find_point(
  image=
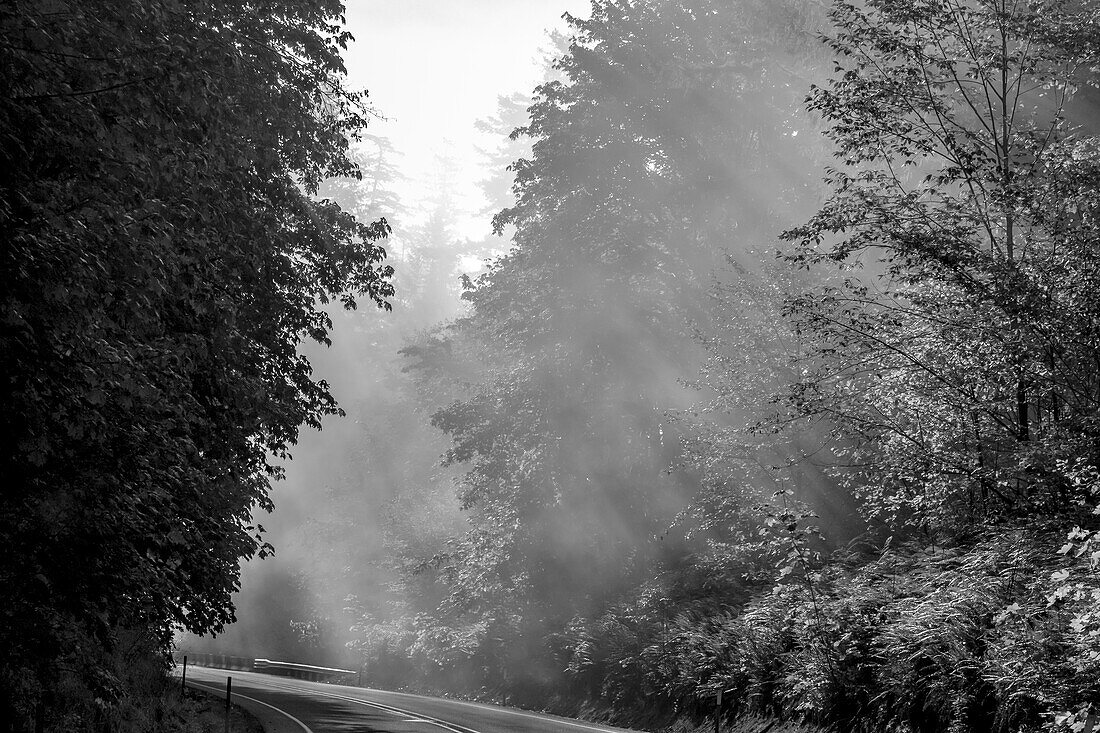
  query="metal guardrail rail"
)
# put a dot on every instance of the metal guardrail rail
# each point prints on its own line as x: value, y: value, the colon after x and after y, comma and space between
x: 266, y: 666
x: 301, y: 671
x: 217, y: 661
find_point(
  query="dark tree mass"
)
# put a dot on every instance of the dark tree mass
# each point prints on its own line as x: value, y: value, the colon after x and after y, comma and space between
x: 774, y: 402
x: 162, y: 259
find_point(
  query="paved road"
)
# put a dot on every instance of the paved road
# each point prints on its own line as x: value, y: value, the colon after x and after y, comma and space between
x: 286, y: 705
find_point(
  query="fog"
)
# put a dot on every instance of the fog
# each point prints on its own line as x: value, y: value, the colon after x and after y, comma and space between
x: 569, y: 438
x: 661, y: 363
x: 376, y: 522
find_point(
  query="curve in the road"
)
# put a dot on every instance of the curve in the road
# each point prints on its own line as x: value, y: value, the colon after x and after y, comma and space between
x: 404, y: 716
x: 216, y: 691
x: 412, y: 714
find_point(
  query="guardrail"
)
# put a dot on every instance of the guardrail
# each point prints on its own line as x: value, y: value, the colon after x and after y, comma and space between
x: 302, y: 671
x: 218, y: 661
x: 267, y: 666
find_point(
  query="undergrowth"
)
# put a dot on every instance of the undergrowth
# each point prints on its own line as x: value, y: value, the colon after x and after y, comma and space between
x: 996, y: 633
x: 127, y: 690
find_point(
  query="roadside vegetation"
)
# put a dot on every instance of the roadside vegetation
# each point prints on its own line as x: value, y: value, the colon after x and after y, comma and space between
x: 786, y: 387
x: 162, y: 258
x: 783, y: 382
x: 143, y: 696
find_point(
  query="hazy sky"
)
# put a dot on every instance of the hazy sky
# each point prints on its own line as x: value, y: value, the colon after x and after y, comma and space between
x: 434, y: 67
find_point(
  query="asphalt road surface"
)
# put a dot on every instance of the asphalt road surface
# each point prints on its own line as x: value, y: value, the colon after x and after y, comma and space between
x: 287, y: 705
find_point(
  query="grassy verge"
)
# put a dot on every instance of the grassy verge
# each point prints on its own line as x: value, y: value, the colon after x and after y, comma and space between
x: 201, y: 712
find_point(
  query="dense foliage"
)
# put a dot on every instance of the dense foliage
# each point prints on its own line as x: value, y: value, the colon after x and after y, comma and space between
x: 643, y: 149
x: 957, y: 350
x: 854, y: 485
x: 921, y: 358
x: 162, y: 260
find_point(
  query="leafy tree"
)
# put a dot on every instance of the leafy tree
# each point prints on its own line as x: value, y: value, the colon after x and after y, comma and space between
x: 946, y: 352
x: 162, y: 261
x: 949, y: 350
x: 647, y: 151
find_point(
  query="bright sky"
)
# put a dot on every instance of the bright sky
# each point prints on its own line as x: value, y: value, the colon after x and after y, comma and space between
x: 434, y: 67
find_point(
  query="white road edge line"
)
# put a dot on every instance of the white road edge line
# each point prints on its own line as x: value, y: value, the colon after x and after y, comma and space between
x: 442, y: 723
x: 411, y: 716
x: 246, y: 697
x: 414, y: 717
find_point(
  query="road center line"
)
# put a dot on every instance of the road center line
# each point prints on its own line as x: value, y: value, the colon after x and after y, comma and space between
x: 416, y: 717
x: 454, y: 727
x: 510, y: 711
